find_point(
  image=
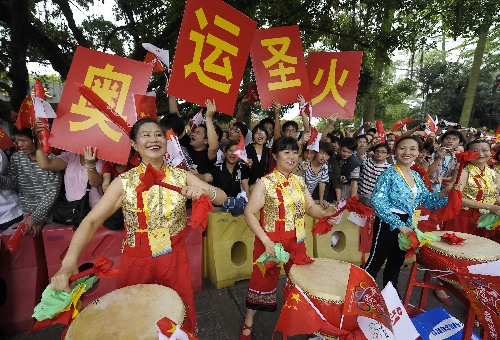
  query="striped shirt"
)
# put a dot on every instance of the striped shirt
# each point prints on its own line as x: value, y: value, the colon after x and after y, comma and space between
x: 369, y: 175
x: 38, y: 189
x: 312, y: 179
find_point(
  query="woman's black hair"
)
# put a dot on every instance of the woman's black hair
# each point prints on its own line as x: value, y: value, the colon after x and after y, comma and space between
x: 285, y: 143
x: 23, y: 132
x: 453, y: 133
x: 416, y: 139
x: 476, y: 141
x: 141, y: 122
x: 260, y: 127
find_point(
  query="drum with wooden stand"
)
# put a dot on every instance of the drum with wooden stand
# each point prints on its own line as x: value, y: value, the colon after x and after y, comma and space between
x: 444, y: 256
x: 128, y: 313
x: 325, y: 283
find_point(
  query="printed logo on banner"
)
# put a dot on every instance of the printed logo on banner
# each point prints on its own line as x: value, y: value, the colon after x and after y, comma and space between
x: 211, y: 54
x: 446, y: 329
x: 333, y: 79
x: 279, y: 66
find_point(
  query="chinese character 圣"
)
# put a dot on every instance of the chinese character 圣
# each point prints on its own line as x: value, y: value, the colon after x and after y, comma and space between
x: 330, y: 86
x: 113, y: 88
x: 220, y: 46
x: 280, y: 57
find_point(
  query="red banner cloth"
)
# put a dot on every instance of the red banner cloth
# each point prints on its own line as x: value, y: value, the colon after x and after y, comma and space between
x: 279, y: 65
x: 333, y: 79
x: 211, y: 54
x: 79, y: 124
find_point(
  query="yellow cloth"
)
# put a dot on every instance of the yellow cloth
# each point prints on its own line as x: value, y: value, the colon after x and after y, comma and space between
x: 293, y: 217
x: 487, y: 181
x: 166, y: 209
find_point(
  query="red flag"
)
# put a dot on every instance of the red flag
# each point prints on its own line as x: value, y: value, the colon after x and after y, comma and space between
x: 169, y: 328
x: 5, y: 141
x: 431, y: 123
x: 380, y: 130
x: 400, y: 123
x: 45, y: 133
x: 197, y: 120
x: 483, y: 292
x: 364, y: 298
x: 240, y: 151
x: 252, y: 94
x: 153, y: 61
x: 145, y: 105
x: 313, y: 142
x: 26, y: 116
x: 298, y: 315
x: 307, y: 109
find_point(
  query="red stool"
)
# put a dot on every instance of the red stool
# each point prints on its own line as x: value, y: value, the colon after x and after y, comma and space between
x: 194, y: 246
x: 106, y: 243
x: 23, y: 277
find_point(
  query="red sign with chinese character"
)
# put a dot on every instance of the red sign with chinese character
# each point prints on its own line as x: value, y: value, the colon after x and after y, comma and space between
x: 279, y: 66
x: 333, y: 78
x: 79, y: 124
x: 211, y: 54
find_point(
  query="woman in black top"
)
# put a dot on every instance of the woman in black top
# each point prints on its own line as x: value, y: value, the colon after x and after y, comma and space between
x: 258, y: 154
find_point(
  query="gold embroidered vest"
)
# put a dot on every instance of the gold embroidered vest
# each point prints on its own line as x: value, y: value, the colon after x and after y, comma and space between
x: 163, y: 207
x: 289, y: 194
x: 481, y: 186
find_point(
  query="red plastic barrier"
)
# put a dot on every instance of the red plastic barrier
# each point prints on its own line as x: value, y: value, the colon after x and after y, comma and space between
x: 106, y: 243
x: 23, y: 277
x: 194, y: 246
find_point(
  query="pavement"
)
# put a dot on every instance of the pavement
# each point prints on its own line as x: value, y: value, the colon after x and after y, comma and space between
x: 220, y: 312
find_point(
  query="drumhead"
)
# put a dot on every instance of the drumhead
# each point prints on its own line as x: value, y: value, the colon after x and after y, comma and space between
x: 128, y: 313
x: 324, y: 279
x: 474, y: 248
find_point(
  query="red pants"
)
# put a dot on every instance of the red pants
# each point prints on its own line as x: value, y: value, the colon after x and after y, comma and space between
x: 262, y: 289
x: 169, y: 270
x: 466, y: 222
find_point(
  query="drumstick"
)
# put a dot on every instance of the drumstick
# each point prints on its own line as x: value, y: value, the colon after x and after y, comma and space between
x: 18, y: 235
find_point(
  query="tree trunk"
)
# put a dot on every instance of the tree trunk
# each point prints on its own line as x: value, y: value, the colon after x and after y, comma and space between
x: 19, y: 36
x: 465, y: 117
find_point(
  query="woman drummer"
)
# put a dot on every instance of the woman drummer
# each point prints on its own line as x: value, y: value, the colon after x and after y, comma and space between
x: 155, y: 221
x: 397, y: 193
x: 282, y: 199
x: 480, y: 193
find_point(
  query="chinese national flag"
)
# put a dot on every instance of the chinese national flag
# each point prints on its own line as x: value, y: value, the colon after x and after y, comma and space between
x: 26, y: 116
x: 240, y: 151
x: 211, y: 54
x: 431, y: 123
x: 169, y: 330
x: 298, y: 315
x: 400, y: 123
x: 5, y: 141
x: 145, y: 105
x: 79, y: 124
x: 153, y: 61
x: 483, y: 292
x: 333, y: 79
x: 380, y: 130
x: 364, y: 298
x: 279, y: 66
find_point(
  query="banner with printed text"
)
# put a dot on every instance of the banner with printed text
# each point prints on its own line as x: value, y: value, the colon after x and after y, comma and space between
x: 279, y: 66
x: 79, y: 124
x: 211, y: 54
x: 333, y: 79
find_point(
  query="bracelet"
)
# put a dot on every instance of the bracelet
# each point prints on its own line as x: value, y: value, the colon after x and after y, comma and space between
x: 90, y: 166
x: 214, y: 192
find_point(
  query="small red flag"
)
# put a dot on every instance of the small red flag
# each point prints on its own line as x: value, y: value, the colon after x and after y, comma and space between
x: 5, y: 141
x: 145, y: 105
x: 252, y: 94
x: 240, y: 151
x: 170, y: 329
x: 380, y: 131
x: 298, y: 315
x: 400, y: 123
x: 153, y: 60
x: 26, y: 117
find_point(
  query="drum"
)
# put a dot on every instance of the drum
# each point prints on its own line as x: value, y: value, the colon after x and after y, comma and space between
x: 443, y: 256
x: 325, y: 283
x: 128, y: 313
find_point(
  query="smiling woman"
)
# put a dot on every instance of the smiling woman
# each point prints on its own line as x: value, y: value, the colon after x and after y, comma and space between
x: 155, y: 221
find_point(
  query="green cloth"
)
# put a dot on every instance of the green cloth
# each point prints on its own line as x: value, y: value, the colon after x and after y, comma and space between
x: 281, y: 255
x: 54, y: 301
x: 488, y: 221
